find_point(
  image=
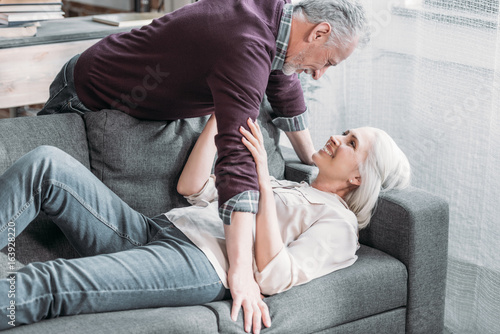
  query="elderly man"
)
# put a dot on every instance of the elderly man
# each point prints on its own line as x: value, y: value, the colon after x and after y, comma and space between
x: 219, y: 56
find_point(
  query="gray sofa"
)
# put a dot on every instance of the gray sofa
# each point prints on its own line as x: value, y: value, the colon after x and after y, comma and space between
x: 396, y: 286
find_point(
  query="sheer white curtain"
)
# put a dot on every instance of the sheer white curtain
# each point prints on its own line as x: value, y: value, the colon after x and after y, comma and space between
x: 430, y: 78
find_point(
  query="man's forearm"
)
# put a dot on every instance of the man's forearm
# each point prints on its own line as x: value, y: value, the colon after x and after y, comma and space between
x: 302, y: 144
x: 239, y: 240
x: 244, y: 290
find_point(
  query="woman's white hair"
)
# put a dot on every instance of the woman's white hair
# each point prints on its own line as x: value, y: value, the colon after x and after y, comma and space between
x: 386, y: 167
x: 346, y: 17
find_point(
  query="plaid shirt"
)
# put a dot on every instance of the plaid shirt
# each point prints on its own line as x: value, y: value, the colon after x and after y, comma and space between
x: 283, y: 37
x: 299, y: 122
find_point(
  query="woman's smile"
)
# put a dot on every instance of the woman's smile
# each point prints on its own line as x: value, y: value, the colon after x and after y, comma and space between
x: 328, y: 149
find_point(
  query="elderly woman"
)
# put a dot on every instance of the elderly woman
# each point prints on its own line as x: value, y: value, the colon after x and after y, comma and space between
x: 179, y: 258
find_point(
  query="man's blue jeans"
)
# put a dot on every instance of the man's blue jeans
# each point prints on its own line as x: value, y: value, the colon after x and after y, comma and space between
x: 63, y: 97
x: 130, y: 261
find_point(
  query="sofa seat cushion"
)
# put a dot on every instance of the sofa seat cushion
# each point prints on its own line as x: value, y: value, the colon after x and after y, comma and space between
x: 375, y: 283
x: 190, y: 319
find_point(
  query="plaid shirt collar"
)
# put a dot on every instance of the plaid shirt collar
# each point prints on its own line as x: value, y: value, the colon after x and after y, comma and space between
x: 283, y: 37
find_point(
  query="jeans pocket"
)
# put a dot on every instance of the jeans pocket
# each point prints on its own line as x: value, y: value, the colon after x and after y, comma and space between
x: 58, y: 94
x: 58, y: 85
x: 76, y: 106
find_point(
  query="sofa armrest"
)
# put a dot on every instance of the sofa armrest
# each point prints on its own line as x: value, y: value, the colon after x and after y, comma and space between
x: 412, y: 226
x: 296, y: 170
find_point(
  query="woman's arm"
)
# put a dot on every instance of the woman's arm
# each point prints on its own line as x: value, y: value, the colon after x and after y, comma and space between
x: 199, y: 164
x: 268, y: 242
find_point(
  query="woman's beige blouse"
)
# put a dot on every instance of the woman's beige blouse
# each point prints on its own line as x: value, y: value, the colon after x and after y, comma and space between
x: 319, y: 234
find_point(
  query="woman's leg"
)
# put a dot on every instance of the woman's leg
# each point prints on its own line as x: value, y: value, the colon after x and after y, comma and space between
x: 170, y: 271
x: 91, y: 216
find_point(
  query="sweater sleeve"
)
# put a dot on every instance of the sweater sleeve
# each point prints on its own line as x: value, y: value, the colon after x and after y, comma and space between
x: 328, y: 245
x: 237, y: 82
x: 286, y: 97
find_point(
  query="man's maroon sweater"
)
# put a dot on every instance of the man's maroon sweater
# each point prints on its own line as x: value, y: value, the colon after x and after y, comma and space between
x: 210, y: 56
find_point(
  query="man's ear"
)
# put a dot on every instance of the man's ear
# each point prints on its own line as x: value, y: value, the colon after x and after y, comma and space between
x: 320, y: 32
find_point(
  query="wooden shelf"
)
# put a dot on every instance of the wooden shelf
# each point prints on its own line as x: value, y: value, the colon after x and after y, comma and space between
x: 30, y: 64
x: 66, y: 30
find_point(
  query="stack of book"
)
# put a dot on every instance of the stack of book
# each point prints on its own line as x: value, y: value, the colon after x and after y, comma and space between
x: 19, y: 18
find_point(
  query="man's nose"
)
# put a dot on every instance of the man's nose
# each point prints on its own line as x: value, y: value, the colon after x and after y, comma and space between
x: 319, y: 73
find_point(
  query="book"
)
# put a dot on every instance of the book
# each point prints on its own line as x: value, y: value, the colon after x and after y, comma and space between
x: 17, y: 2
x: 127, y: 19
x: 30, y: 8
x: 6, y: 18
x: 21, y: 30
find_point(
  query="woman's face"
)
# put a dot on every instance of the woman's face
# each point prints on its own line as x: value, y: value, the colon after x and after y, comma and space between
x: 339, y: 159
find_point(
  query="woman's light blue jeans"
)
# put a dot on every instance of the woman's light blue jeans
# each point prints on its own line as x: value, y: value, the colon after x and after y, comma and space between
x: 129, y: 261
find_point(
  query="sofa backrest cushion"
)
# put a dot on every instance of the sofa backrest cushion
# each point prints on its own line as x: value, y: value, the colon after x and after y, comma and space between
x: 42, y: 240
x: 141, y: 161
x: 20, y: 135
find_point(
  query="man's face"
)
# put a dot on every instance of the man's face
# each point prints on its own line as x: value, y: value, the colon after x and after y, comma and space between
x: 316, y: 58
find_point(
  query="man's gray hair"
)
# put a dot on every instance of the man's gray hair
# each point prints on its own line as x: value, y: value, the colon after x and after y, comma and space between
x: 346, y: 17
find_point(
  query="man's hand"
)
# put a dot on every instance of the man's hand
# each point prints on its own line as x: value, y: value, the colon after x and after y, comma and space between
x: 246, y: 295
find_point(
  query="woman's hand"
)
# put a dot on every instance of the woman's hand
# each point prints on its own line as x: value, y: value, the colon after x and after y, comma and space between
x: 254, y: 142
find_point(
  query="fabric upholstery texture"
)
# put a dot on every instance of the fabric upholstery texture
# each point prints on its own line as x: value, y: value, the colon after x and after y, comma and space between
x: 18, y: 136
x: 137, y: 157
x: 374, y: 284
x: 295, y: 170
x: 421, y: 244
x: 176, y: 320
x: 391, y: 322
